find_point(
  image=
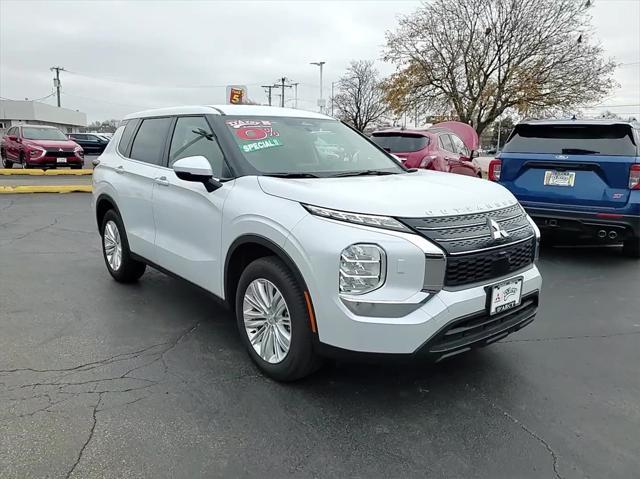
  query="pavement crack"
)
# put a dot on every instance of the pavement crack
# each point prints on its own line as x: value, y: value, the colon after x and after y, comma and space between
x: 88, y: 366
x: 563, y: 338
x: 89, y: 438
x: 554, y: 456
x: 22, y: 236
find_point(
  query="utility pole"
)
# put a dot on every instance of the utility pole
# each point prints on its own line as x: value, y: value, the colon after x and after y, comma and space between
x: 320, y: 64
x: 283, y: 86
x: 295, y: 94
x: 269, y: 88
x: 56, y: 81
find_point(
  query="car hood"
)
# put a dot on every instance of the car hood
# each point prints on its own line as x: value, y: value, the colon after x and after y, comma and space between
x: 418, y: 194
x: 52, y: 144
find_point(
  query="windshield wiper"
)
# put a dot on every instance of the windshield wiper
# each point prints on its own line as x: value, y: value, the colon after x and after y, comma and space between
x: 292, y: 175
x: 578, y: 151
x: 364, y: 173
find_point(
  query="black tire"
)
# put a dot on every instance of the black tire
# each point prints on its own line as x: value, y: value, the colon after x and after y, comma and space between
x: 129, y: 270
x: 631, y: 247
x: 300, y: 360
x: 6, y: 163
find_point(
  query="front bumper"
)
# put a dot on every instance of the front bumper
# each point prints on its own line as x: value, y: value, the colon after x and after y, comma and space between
x: 582, y: 225
x: 52, y: 161
x: 401, y: 317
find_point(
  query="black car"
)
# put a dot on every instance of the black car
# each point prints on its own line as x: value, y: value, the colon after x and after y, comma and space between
x: 91, y: 143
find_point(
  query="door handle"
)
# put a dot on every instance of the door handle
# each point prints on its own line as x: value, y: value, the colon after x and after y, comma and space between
x: 162, y: 180
x: 120, y: 169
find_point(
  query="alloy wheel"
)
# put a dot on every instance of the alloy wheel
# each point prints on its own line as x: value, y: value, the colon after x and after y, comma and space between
x: 112, y: 245
x: 266, y: 320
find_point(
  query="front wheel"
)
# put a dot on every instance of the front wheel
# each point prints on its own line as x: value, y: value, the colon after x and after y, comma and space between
x: 273, y: 320
x: 115, y: 249
x: 6, y: 163
x: 631, y: 247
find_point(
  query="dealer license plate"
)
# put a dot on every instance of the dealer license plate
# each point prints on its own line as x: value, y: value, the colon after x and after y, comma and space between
x: 559, y: 178
x: 61, y: 160
x: 505, y: 296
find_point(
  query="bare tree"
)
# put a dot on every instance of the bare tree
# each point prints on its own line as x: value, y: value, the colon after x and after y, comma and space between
x: 478, y: 58
x: 360, y: 100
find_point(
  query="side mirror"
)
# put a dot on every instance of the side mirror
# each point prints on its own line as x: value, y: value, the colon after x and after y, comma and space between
x: 198, y: 169
x: 12, y: 137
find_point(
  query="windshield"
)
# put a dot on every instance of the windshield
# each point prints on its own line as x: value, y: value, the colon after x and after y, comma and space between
x: 35, y: 133
x: 303, y: 146
x: 613, y: 140
x: 400, y: 143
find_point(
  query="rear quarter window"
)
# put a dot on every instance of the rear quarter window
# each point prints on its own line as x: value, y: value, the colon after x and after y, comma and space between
x: 608, y: 140
x: 124, y: 145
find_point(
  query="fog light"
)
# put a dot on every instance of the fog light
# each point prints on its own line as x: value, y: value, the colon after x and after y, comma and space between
x: 362, y: 268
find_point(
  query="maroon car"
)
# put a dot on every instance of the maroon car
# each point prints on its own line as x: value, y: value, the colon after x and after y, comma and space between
x: 38, y: 146
x: 447, y: 146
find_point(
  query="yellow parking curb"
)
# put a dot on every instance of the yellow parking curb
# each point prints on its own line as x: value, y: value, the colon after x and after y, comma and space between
x: 36, y: 172
x: 45, y: 189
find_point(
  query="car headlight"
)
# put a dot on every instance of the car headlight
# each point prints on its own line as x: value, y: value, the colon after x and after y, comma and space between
x: 385, y: 222
x: 36, y: 152
x: 78, y: 151
x: 362, y: 268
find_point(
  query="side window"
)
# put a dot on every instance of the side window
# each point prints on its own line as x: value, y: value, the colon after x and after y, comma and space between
x: 445, y: 143
x: 458, y: 146
x: 193, y: 137
x: 127, y: 136
x: 148, y: 145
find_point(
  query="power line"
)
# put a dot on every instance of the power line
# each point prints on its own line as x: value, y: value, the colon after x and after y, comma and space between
x: 147, y: 85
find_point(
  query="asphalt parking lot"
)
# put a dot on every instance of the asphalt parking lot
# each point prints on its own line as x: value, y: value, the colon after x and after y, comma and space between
x: 98, y: 379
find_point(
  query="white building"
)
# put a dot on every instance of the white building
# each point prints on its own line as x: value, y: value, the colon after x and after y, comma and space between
x: 14, y: 113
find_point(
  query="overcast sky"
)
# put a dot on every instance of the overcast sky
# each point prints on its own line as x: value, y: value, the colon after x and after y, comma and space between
x: 127, y: 56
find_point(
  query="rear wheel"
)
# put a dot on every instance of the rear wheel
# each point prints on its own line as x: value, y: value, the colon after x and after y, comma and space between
x: 631, y: 247
x: 273, y: 320
x: 115, y: 249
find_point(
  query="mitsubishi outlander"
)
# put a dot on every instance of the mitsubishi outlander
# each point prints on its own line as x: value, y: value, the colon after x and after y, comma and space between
x: 318, y: 250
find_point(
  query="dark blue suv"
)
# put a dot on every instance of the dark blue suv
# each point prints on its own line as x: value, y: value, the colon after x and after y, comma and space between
x: 578, y: 179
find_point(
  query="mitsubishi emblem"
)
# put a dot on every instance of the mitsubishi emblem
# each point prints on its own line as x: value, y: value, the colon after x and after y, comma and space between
x: 60, y: 149
x: 497, y: 233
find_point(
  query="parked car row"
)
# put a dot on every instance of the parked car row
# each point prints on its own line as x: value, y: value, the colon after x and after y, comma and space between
x: 47, y: 147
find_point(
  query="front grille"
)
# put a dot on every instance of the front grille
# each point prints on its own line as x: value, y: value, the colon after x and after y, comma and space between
x: 484, y: 265
x: 59, y: 154
x: 473, y: 255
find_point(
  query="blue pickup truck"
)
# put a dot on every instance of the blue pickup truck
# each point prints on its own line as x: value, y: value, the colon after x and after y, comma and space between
x: 578, y: 179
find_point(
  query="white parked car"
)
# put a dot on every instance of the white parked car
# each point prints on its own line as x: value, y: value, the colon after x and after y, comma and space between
x: 316, y: 254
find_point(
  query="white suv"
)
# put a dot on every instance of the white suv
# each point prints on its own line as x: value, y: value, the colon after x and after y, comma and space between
x: 318, y: 240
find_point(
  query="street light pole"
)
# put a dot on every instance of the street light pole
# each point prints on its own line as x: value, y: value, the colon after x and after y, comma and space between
x: 320, y: 64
